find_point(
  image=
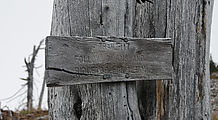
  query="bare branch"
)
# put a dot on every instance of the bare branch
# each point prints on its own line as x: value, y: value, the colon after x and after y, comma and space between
x: 30, y: 69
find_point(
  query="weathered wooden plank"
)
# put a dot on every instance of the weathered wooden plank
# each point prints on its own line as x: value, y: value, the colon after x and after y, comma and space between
x: 79, y: 60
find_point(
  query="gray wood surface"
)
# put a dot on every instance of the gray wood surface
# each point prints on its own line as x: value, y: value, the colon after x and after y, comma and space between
x: 101, y: 101
x: 186, y: 97
x: 188, y: 23
x: 80, y: 60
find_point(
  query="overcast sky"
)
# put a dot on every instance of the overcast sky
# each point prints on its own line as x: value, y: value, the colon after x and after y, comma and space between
x: 23, y: 23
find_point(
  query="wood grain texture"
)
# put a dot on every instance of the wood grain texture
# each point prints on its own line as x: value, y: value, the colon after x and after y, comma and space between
x: 80, y: 60
x: 187, y: 96
x: 102, y: 101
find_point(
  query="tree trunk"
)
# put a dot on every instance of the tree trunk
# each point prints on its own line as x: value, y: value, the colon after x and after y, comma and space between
x: 41, y: 95
x: 188, y: 23
x: 30, y: 64
x: 30, y: 89
x: 102, y: 101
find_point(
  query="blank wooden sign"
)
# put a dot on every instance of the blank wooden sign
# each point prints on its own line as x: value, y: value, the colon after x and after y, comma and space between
x: 80, y: 60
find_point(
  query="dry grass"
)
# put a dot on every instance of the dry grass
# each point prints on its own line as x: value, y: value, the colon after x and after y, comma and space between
x: 29, y: 115
x: 213, y: 76
x: 24, y: 114
x: 215, y: 115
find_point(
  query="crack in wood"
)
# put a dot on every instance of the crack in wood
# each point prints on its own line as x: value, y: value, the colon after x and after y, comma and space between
x: 129, y: 110
x: 70, y: 72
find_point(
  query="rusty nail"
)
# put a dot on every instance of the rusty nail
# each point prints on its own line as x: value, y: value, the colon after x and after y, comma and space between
x: 106, y: 76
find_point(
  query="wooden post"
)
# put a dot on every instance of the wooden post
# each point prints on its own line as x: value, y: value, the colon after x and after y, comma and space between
x: 188, y: 23
x: 100, y: 101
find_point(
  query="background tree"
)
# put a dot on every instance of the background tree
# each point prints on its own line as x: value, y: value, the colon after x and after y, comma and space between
x: 41, y: 95
x: 30, y: 65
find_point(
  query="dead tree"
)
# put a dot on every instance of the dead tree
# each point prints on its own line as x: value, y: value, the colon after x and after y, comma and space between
x: 188, y: 23
x: 30, y: 65
x: 41, y: 95
x: 186, y: 96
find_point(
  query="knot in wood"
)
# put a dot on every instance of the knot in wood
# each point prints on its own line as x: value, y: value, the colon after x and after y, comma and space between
x: 106, y: 7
